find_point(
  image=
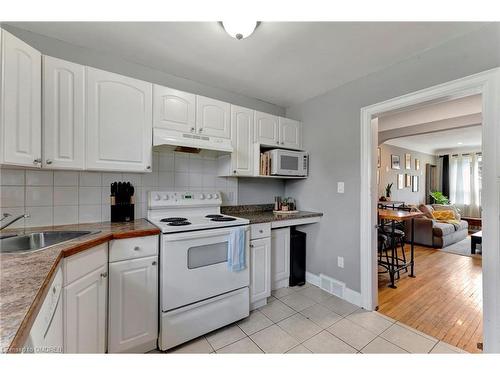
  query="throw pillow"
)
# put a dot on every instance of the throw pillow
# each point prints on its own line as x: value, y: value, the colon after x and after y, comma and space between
x: 446, y: 207
x: 444, y: 215
x: 426, y: 210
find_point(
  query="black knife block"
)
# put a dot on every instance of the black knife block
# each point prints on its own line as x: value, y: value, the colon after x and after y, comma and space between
x: 122, y: 201
x: 122, y: 212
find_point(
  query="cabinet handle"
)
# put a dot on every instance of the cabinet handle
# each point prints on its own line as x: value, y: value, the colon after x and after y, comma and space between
x: 261, y: 231
x: 53, y: 290
x: 282, y: 143
x: 192, y: 130
x: 137, y: 248
x: 148, y: 167
x: 234, y: 172
x: 37, y: 161
x: 200, y: 130
x: 104, y: 275
x: 154, y: 263
x: 251, y: 245
x: 48, y: 161
x: 277, y: 142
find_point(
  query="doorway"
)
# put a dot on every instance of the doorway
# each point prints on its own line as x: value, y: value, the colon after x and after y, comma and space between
x: 485, y: 84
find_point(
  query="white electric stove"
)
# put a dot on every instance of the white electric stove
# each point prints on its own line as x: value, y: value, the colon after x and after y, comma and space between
x: 198, y: 292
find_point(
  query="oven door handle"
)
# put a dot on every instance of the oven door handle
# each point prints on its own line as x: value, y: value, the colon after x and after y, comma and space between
x: 203, y: 234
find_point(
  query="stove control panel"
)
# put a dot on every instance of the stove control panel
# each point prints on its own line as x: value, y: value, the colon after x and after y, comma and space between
x: 161, y: 199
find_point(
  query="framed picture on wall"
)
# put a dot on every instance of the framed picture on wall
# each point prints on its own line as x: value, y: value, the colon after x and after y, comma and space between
x: 378, y: 157
x: 417, y: 164
x: 395, y: 162
x: 407, y: 180
x: 414, y: 184
x: 400, y: 181
x: 407, y: 161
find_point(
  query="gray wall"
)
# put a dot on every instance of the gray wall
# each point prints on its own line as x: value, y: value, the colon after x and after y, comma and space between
x: 116, y: 64
x: 258, y: 190
x: 332, y: 136
x: 388, y: 175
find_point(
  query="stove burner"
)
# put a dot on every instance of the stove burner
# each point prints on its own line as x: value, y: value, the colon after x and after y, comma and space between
x: 173, y: 219
x: 223, y: 219
x: 179, y: 223
x: 214, y: 216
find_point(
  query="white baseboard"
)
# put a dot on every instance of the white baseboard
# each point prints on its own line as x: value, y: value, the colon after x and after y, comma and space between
x: 348, y: 294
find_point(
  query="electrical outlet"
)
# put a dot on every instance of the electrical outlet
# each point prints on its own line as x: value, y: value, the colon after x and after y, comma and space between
x: 340, y: 262
x: 340, y: 187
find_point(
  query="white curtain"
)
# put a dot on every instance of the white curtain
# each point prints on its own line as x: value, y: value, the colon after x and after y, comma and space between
x: 465, y: 183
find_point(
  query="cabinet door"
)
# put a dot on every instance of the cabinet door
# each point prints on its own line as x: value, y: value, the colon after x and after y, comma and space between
x: 119, y: 122
x: 63, y: 114
x: 280, y: 258
x: 85, y: 313
x: 173, y: 109
x: 266, y: 128
x: 212, y: 117
x: 260, y: 269
x: 133, y: 305
x: 242, y: 140
x: 290, y: 133
x: 21, y: 103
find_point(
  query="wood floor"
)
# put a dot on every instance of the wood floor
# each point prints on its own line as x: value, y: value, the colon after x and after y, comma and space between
x: 443, y: 301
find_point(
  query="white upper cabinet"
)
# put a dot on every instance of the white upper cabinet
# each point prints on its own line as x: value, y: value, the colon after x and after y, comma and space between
x: 213, y: 117
x: 242, y: 138
x: 119, y: 122
x: 174, y: 109
x: 63, y: 114
x: 266, y: 129
x: 21, y: 103
x: 290, y: 133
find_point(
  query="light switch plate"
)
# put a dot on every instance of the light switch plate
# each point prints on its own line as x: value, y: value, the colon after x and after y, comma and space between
x: 340, y: 262
x: 340, y: 187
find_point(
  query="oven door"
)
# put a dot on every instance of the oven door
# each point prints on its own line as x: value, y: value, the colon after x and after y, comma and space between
x: 194, y: 267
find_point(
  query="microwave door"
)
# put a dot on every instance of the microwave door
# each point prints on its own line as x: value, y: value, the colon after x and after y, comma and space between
x: 289, y: 165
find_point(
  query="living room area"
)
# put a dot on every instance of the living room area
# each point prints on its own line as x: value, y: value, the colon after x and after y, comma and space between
x: 429, y: 171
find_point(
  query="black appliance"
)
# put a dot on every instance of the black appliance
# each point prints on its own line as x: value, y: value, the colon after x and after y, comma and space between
x: 297, y: 257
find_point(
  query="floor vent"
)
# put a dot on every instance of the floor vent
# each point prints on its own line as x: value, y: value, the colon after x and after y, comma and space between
x: 331, y: 285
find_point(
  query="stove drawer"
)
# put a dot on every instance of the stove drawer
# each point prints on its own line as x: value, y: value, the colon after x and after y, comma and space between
x: 132, y: 248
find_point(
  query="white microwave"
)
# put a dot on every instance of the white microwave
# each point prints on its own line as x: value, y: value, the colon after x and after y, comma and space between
x: 289, y: 163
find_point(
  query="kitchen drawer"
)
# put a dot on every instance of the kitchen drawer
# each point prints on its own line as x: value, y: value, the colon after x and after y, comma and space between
x: 260, y: 231
x: 131, y: 248
x: 80, y: 264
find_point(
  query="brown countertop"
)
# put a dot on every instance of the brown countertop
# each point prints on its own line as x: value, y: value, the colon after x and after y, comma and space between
x: 24, y: 278
x: 264, y: 214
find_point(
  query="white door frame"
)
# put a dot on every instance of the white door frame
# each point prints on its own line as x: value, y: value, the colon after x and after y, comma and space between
x: 488, y: 85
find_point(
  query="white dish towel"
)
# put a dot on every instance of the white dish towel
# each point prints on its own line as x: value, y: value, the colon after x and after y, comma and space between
x: 236, y: 257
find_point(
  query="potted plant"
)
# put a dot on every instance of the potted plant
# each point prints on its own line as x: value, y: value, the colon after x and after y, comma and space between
x: 388, y: 191
x: 439, y: 197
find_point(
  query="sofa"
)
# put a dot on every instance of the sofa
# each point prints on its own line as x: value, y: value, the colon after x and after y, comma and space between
x: 433, y: 233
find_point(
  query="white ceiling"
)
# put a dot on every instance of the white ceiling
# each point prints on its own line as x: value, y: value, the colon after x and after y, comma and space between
x: 282, y: 62
x: 433, y: 143
x: 430, y: 113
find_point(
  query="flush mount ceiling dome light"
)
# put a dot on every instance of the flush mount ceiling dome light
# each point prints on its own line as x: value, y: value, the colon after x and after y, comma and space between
x: 239, y: 29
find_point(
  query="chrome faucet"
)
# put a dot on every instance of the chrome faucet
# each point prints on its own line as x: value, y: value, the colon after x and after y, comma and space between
x: 6, y: 215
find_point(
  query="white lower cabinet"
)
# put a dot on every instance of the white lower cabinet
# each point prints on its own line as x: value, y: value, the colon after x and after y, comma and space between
x: 85, y: 295
x: 85, y: 300
x: 260, y: 271
x: 280, y: 258
x: 133, y: 305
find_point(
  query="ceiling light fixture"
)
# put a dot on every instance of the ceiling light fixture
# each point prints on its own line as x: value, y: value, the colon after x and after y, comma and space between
x: 239, y: 29
x: 460, y: 143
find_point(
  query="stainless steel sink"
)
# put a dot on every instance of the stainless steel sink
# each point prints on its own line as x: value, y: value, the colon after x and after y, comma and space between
x: 37, y: 241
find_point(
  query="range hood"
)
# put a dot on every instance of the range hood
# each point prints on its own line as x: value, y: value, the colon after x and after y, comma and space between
x: 163, y: 137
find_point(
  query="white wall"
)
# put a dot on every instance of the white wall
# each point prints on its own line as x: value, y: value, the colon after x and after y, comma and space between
x: 332, y: 136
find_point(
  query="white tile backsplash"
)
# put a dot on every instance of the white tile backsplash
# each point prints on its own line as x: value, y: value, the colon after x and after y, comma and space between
x: 68, y: 197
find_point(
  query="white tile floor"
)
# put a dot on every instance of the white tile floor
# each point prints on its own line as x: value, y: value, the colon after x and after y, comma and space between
x: 308, y: 320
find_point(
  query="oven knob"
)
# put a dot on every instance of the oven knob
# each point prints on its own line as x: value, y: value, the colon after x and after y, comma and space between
x: 209, y: 196
x: 165, y: 197
x: 201, y: 196
x: 216, y: 196
x: 157, y: 197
